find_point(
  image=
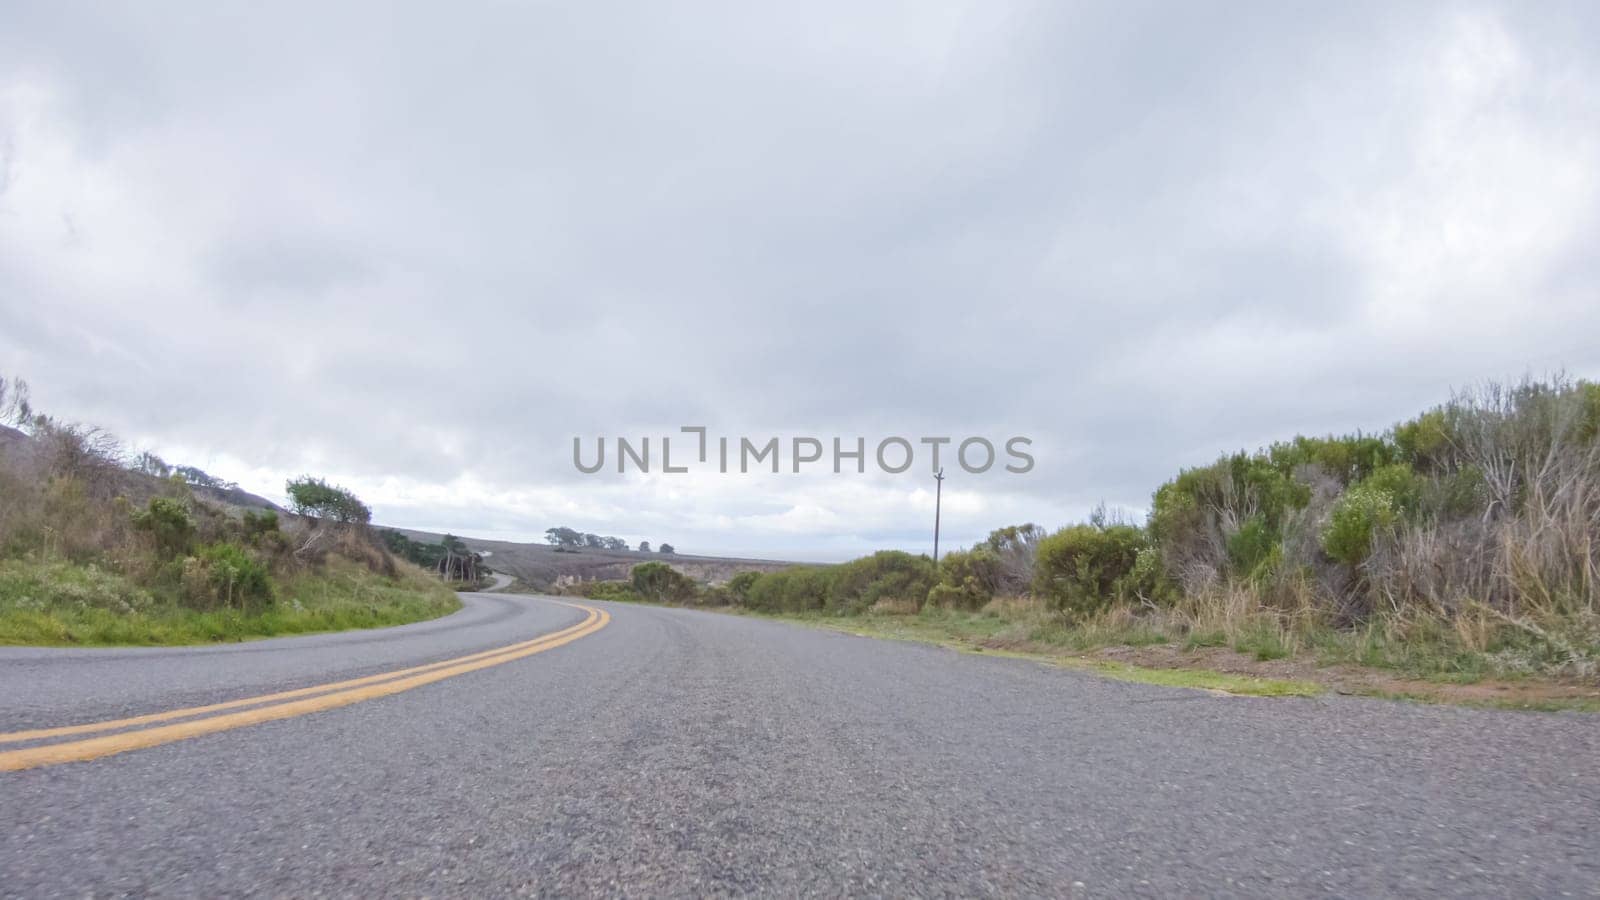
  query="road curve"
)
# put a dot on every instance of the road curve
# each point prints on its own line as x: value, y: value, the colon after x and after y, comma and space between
x: 680, y: 752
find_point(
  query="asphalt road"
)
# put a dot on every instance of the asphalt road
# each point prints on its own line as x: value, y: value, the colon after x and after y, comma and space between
x: 674, y: 752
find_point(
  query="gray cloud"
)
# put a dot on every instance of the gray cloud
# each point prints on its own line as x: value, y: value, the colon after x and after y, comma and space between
x: 414, y: 249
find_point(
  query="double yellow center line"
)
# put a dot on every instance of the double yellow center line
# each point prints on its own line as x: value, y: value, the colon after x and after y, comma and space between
x: 199, y: 720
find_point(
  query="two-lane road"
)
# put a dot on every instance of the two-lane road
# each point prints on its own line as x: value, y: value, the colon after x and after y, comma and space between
x: 623, y: 749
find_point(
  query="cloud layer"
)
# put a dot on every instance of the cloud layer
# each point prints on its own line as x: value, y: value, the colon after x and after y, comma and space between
x: 419, y: 252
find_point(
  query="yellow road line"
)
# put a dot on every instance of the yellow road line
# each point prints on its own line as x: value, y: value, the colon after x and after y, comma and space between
x: 107, y: 745
x: 150, y: 719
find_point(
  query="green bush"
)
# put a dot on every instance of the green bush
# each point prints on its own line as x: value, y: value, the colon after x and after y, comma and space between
x: 1426, y: 442
x: 1404, y: 486
x: 950, y: 596
x: 169, y: 522
x: 621, y: 591
x: 225, y: 576
x: 1083, y: 569
x: 739, y: 586
x: 967, y: 578
x: 1363, y: 512
x: 256, y: 524
x: 798, y: 589
x: 1252, y: 547
x: 890, y: 575
x: 661, y: 583
x: 1258, y: 490
x: 1348, y: 459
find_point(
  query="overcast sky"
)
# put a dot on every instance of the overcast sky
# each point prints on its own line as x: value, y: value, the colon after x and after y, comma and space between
x: 420, y: 250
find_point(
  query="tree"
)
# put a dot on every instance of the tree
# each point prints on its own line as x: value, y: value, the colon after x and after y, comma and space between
x: 14, y: 405
x: 563, y: 537
x: 319, y: 499
x: 153, y: 465
x: 202, y: 478
x: 666, y: 548
x: 644, y: 546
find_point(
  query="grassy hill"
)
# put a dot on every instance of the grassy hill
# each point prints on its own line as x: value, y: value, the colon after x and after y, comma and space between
x: 95, y: 549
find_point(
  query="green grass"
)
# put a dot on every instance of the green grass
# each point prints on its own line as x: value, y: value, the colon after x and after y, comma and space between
x: 63, y: 604
x: 1422, y: 655
x: 1205, y: 679
x: 960, y: 630
x: 1264, y: 643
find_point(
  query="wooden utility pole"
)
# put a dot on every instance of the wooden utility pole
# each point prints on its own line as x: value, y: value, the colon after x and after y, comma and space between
x: 938, y: 500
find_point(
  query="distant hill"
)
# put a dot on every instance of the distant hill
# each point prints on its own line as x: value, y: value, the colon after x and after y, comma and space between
x: 543, y: 566
x: 10, y: 436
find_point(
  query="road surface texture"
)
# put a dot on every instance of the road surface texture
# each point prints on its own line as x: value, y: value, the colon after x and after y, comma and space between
x: 676, y: 752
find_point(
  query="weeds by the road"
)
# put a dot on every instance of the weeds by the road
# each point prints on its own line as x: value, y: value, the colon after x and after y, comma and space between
x: 65, y: 604
x: 1244, y: 655
x: 996, y: 636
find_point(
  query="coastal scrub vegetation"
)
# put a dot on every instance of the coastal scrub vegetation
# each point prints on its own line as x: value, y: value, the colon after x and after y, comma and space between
x: 1462, y: 543
x: 100, y: 548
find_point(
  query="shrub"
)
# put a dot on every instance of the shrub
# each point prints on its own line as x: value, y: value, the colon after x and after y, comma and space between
x: 169, y: 523
x: 662, y: 583
x: 1252, y: 547
x: 1348, y: 459
x: 891, y: 575
x: 797, y: 589
x: 739, y: 586
x: 224, y: 575
x: 1426, y: 442
x: 1014, y: 547
x: 261, y: 523
x: 609, y: 590
x: 950, y: 596
x: 967, y: 578
x: 1363, y: 512
x: 1404, y: 487
x: 1082, y: 569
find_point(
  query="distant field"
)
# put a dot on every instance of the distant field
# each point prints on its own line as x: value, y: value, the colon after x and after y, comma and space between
x: 542, y: 566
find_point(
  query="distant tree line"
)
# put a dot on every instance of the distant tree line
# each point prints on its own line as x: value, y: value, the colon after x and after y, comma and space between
x: 151, y: 464
x: 563, y: 538
x: 450, y: 557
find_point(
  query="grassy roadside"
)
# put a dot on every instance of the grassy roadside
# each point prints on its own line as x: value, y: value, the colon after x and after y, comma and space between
x: 65, y: 604
x: 1142, y: 653
x: 1246, y: 658
x: 974, y: 635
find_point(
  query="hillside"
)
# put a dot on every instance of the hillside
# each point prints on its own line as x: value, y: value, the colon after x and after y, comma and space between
x: 97, y: 548
x: 542, y: 567
x: 20, y: 450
